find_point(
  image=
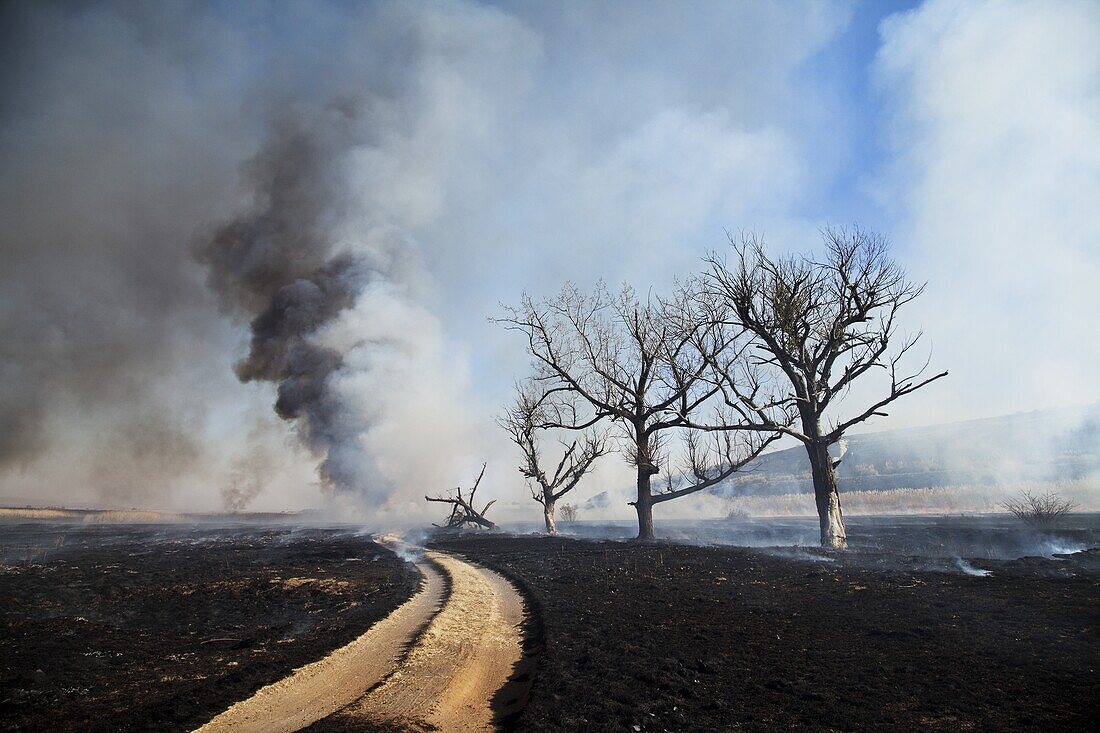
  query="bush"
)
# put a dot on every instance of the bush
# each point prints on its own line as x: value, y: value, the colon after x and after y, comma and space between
x: 567, y: 513
x: 737, y: 511
x: 1040, y: 511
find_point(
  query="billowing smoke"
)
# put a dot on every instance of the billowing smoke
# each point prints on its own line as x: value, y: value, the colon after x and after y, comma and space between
x: 278, y: 263
x: 21, y: 415
x: 331, y: 287
x: 335, y: 195
x: 160, y: 164
x: 246, y: 482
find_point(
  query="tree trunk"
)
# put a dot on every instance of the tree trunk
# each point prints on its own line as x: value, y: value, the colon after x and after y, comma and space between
x: 548, y: 515
x: 644, y: 504
x: 827, y: 497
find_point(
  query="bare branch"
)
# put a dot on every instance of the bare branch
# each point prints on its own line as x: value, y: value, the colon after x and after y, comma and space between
x: 462, y: 507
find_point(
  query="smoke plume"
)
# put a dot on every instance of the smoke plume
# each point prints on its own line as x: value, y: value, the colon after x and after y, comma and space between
x: 247, y: 480
x: 319, y: 266
x: 279, y: 265
x: 211, y: 210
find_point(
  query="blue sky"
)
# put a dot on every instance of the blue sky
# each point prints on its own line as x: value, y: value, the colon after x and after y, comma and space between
x: 843, y: 69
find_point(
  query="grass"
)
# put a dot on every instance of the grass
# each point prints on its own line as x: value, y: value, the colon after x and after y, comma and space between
x: 1084, y: 494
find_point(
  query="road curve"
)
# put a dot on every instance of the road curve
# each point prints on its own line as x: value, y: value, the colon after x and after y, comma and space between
x: 464, y: 645
x: 466, y: 654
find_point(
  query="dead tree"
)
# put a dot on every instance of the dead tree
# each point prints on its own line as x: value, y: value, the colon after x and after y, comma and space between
x: 463, y: 511
x: 524, y: 420
x: 642, y: 365
x: 817, y: 327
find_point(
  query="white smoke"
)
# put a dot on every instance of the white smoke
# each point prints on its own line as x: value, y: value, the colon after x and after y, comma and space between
x: 424, y: 433
x: 969, y: 569
x: 996, y: 131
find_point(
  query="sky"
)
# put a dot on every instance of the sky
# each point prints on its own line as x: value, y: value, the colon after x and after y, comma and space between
x: 463, y: 153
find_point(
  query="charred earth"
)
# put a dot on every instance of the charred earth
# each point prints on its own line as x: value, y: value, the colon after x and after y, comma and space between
x: 140, y: 628
x: 671, y: 637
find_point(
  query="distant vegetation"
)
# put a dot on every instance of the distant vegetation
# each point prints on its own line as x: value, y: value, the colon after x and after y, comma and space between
x: 143, y: 516
x: 960, y: 499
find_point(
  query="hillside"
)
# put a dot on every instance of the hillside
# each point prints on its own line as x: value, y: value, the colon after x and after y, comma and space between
x: 1046, y: 445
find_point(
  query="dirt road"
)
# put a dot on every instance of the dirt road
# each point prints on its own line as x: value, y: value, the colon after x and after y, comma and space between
x: 435, y: 662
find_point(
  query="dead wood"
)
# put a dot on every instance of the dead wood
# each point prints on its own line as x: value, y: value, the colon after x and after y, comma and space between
x: 463, y: 510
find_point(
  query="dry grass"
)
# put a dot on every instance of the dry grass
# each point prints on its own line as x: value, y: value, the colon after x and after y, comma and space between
x: 105, y: 516
x: 10, y: 513
x: 1084, y: 494
x: 323, y: 585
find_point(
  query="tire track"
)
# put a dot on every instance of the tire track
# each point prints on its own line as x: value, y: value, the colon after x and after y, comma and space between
x: 434, y: 663
x: 467, y: 654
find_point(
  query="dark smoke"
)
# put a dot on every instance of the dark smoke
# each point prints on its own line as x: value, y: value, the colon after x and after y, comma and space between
x: 297, y: 193
x: 283, y: 354
x: 246, y: 481
x: 277, y: 263
x: 21, y: 413
x: 241, y: 492
x: 134, y: 456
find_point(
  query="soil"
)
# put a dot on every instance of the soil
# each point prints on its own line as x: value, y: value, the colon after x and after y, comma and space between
x: 450, y: 677
x: 683, y: 638
x: 323, y: 687
x: 162, y: 628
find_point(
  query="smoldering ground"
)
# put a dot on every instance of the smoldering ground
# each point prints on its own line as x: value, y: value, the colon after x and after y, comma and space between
x: 883, y: 542
x: 735, y: 637
x: 179, y: 621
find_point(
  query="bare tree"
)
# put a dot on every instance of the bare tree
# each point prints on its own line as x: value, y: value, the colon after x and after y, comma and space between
x: 463, y: 510
x: 525, y: 418
x: 1043, y: 512
x: 645, y: 366
x: 817, y: 326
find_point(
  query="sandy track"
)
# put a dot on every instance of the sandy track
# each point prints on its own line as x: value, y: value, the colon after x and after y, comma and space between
x: 463, y: 653
x: 467, y: 653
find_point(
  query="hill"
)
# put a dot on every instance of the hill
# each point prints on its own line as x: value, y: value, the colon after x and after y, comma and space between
x: 1040, y: 446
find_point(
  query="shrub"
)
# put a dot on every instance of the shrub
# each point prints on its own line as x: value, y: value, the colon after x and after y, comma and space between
x: 1040, y: 511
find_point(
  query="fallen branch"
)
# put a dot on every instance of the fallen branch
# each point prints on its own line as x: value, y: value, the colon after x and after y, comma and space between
x: 463, y: 510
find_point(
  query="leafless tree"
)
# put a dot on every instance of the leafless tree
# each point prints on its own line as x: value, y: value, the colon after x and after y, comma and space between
x: 463, y: 510
x: 645, y: 366
x: 817, y: 326
x: 568, y: 513
x: 1043, y: 512
x: 531, y: 409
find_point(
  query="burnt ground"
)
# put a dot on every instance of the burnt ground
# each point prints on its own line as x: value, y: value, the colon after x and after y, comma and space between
x: 112, y: 628
x: 682, y: 638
